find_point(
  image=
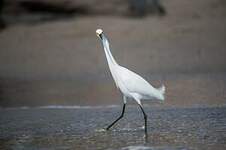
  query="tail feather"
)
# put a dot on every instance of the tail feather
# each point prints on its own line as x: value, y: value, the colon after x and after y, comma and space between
x: 162, y: 89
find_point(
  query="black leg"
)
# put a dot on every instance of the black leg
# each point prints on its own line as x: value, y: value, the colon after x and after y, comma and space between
x: 145, y: 118
x: 123, y: 110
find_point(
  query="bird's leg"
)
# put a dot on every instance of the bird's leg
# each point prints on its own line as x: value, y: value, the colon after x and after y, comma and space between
x: 123, y: 110
x: 145, y: 118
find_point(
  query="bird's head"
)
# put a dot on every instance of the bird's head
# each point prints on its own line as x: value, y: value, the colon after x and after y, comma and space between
x: 99, y: 33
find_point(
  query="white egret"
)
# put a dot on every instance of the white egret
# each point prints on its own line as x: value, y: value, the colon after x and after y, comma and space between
x: 130, y: 84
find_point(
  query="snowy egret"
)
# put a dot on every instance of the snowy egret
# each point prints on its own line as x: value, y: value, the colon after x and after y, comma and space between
x: 130, y: 84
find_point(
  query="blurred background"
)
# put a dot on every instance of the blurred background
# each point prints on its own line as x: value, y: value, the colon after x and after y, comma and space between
x: 50, y: 55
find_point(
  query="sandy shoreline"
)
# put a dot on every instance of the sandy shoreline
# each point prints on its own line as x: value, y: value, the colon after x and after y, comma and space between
x: 61, y: 62
x: 183, y: 90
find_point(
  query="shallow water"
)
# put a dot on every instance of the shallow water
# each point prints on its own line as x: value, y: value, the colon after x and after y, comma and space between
x: 82, y: 128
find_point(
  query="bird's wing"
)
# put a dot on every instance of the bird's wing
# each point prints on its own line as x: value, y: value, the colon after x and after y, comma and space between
x: 135, y: 83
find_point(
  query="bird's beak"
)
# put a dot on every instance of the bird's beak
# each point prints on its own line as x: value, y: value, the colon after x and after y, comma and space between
x: 99, y: 33
x: 100, y: 36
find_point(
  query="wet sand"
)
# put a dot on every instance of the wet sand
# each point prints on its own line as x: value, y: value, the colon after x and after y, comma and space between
x: 182, y: 90
x: 82, y: 128
x: 62, y: 62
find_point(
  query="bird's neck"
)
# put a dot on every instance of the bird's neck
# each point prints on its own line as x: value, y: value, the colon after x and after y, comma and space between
x: 110, y: 58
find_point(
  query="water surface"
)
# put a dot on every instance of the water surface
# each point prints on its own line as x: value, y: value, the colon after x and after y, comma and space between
x: 83, y: 128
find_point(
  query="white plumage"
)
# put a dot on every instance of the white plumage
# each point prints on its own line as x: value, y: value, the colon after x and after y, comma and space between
x: 130, y: 84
